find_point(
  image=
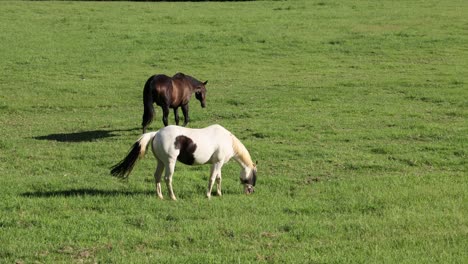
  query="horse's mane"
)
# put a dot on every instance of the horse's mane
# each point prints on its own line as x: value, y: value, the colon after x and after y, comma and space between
x: 194, y: 82
x: 241, y: 152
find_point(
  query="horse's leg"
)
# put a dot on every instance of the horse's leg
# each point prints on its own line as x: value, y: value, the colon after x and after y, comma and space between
x: 186, y: 115
x: 157, y: 178
x: 168, y: 178
x: 165, y: 110
x: 218, y: 184
x: 215, y: 170
x: 176, y: 115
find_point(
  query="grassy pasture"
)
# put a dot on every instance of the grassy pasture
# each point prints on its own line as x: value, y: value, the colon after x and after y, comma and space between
x: 355, y: 110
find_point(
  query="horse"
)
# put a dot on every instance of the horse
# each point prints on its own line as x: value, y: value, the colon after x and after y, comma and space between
x: 171, y: 92
x: 213, y: 145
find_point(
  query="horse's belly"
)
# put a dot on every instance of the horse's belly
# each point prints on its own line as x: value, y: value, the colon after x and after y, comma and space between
x: 206, y: 155
x: 201, y: 159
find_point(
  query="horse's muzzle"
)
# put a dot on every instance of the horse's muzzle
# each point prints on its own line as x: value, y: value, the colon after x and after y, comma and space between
x: 249, y: 189
x: 203, y: 105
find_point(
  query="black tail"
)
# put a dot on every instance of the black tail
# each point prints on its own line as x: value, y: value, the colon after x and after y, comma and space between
x: 125, y: 166
x: 148, y: 113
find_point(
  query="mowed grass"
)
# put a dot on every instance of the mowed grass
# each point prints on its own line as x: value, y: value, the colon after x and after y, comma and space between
x: 355, y: 110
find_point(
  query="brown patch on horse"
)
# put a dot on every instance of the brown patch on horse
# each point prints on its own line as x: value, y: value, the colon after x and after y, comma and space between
x: 187, y: 148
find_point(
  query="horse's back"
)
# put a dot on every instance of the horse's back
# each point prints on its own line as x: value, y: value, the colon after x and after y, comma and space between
x: 213, y: 133
x: 208, y: 144
x: 162, y: 81
x: 158, y: 79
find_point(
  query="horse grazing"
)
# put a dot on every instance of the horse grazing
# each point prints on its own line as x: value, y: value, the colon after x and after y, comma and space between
x: 213, y: 144
x: 171, y: 92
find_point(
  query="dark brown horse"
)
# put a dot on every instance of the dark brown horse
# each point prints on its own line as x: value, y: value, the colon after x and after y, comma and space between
x: 173, y: 93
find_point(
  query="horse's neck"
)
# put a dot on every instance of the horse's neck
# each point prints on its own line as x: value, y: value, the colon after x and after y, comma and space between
x: 241, y: 162
x: 191, y: 87
x: 185, y: 81
x: 241, y: 155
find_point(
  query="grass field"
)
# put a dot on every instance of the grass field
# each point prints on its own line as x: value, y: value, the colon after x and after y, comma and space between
x: 355, y: 110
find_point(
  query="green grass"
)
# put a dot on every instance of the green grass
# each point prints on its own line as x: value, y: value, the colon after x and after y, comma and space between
x: 355, y: 110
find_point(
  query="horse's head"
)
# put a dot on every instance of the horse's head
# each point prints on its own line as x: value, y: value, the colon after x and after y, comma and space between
x: 200, y: 93
x: 248, y: 177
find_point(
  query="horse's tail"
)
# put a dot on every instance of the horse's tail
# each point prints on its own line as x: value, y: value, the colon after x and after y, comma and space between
x: 125, y: 166
x: 148, y: 113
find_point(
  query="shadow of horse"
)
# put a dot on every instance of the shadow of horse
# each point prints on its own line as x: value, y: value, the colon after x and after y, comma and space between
x: 84, y: 136
x: 84, y: 192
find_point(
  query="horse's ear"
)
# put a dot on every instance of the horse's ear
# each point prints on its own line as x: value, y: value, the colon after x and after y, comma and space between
x: 205, y: 82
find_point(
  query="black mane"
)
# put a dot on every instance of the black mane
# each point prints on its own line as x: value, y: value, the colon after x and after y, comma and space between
x: 193, y: 82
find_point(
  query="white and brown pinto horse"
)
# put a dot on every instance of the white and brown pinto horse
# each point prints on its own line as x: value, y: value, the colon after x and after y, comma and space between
x: 213, y: 144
